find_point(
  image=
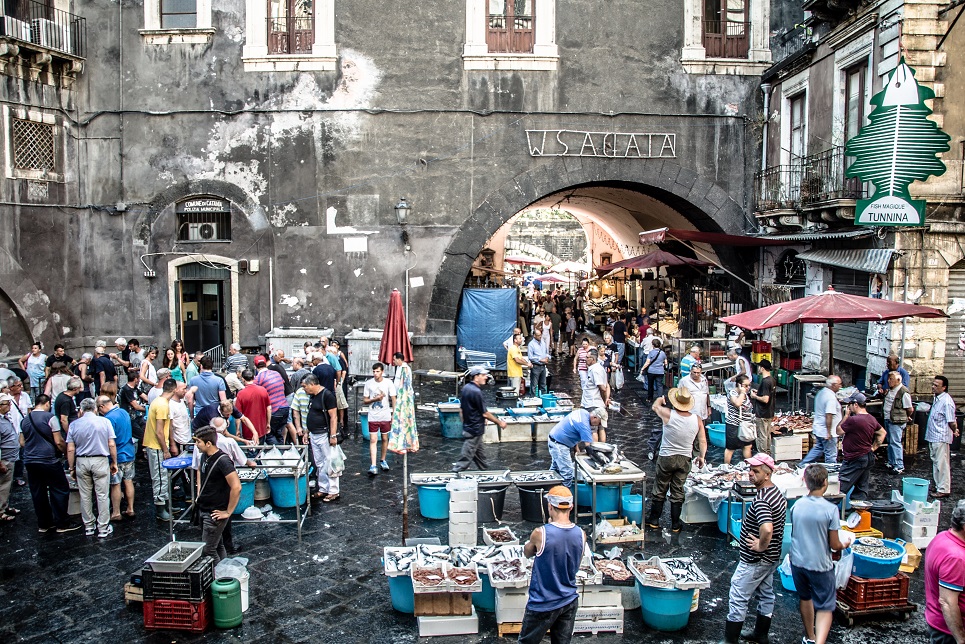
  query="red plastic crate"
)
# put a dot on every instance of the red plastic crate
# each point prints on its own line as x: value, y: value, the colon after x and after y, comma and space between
x: 791, y: 364
x: 861, y: 593
x: 760, y: 346
x: 177, y: 614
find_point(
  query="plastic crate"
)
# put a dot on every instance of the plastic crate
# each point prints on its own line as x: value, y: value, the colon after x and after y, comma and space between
x: 861, y: 594
x: 791, y: 364
x: 192, y: 585
x: 177, y: 614
x: 760, y: 346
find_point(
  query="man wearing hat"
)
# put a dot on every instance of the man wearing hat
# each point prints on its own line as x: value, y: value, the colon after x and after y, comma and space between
x: 764, y: 399
x: 557, y: 549
x: 680, y: 428
x: 762, y: 532
x: 862, y: 436
x: 474, y: 417
x: 573, y: 431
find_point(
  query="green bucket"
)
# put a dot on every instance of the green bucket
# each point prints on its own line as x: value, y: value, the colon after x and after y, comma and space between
x: 226, y: 601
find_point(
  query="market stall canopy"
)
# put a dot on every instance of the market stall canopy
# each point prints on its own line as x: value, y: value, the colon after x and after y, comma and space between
x: 524, y: 259
x: 720, y: 239
x: 571, y: 267
x: 552, y: 278
x: 868, y: 260
x: 653, y: 259
x: 395, y: 336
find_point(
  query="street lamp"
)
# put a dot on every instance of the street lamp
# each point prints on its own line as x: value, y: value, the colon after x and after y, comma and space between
x: 402, y: 210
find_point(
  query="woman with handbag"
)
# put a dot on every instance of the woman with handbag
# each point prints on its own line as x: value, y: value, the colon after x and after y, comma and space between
x: 148, y: 373
x: 654, y: 369
x: 740, y: 426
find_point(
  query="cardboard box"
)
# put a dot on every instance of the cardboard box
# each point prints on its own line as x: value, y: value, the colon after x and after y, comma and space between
x: 461, y: 625
x: 442, y: 604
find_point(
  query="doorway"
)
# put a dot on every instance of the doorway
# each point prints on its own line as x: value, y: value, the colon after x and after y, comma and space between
x: 203, y: 306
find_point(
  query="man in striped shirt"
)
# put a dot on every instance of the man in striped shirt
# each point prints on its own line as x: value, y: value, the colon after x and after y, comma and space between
x: 275, y: 386
x: 941, y: 431
x: 762, y: 531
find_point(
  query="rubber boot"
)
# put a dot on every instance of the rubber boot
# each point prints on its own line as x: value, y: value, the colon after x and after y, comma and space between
x: 732, y: 632
x: 761, y: 627
x: 161, y: 513
x: 653, y: 519
x: 675, y: 523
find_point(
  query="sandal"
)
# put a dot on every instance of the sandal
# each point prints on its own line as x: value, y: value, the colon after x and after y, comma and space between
x: 330, y: 498
x: 128, y: 513
x: 115, y: 517
x: 319, y: 496
x: 7, y: 517
x: 11, y: 512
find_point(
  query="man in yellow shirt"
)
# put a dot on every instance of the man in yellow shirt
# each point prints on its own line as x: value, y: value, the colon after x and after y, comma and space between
x: 515, y: 362
x: 159, y: 445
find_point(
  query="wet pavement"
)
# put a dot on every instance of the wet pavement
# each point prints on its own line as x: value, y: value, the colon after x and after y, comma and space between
x: 330, y: 588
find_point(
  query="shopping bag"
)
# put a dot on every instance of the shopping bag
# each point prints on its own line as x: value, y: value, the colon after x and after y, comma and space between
x: 843, y: 567
x: 336, y: 464
x: 618, y: 379
x: 747, y: 431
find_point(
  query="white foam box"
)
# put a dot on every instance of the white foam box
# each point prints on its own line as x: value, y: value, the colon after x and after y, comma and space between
x: 458, y: 625
x: 463, y: 517
x: 462, y: 539
x: 921, y: 518
x: 910, y: 532
x: 516, y: 433
x: 512, y: 597
x: 926, y: 507
x: 462, y: 506
x: 787, y: 448
x: 509, y: 615
x: 491, y: 433
x: 593, y: 596
x: 596, y: 613
x: 543, y: 430
x: 463, y: 495
x: 697, y: 509
x: 597, y: 626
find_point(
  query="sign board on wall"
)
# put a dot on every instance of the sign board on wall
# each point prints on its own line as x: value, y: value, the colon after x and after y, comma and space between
x: 610, y: 145
x: 896, y: 148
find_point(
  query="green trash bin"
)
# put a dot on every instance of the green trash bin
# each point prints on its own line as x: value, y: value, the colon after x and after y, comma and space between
x: 226, y: 600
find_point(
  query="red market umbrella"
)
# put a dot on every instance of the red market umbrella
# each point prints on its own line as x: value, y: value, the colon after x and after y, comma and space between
x: 395, y: 334
x: 654, y: 259
x: 827, y: 308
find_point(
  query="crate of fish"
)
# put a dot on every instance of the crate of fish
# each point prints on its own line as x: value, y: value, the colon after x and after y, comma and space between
x: 193, y: 584
x: 686, y: 574
x: 430, y: 579
x: 176, y: 556
x: 622, y: 531
x: 861, y: 594
x: 588, y: 575
x: 615, y: 572
x: 464, y: 579
x: 398, y: 561
x: 508, y: 573
x: 501, y: 536
x: 651, y: 572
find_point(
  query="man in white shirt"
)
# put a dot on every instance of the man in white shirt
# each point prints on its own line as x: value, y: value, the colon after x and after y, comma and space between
x: 180, y: 419
x: 699, y: 389
x: 897, y: 410
x: 942, y: 430
x: 379, y: 395
x: 827, y: 417
x: 596, y: 392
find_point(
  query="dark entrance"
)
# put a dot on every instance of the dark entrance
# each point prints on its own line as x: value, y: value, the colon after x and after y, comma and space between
x: 203, y: 306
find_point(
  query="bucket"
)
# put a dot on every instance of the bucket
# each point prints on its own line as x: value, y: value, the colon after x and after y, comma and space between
x: 786, y: 541
x: 607, y: 496
x: 244, y: 590
x: 534, y: 507
x: 717, y: 434
x: 489, y: 504
x: 262, y: 490
x: 549, y: 400
x: 364, y: 420
x: 451, y: 424
x: 913, y: 489
x: 247, y: 498
x: 485, y: 599
x: 400, y: 590
x: 226, y: 602
x: 434, y: 502
x: 665, y: 609
x: 887, y: 517
x: 874, y: 568
x: 283, y: 491
x: 633, y: 508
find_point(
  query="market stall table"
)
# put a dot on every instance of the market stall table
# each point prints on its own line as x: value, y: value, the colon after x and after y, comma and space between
x: 809, y: 378
x: 432, y: 374
x: 588, y: 472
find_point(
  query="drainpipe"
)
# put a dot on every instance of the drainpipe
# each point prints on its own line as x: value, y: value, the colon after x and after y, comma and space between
x: 766, y: 92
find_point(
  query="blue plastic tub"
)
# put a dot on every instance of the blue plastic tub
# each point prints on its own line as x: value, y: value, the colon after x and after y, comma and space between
x: 786, y: 541
x: 633, y: 508
x: 607, y: 496
x: 717, y: 434
x: 787, y: 581
x: 485, y: 600
x: 870, y: 568
x: 400, y: 589
x: 434, y: 501
x: 247, y: 498
x: 364, y: 420
x: 451, y: 424
x: 283, y: 491
x: 549, y: 400
x: 729, y: 516
x: 665, y: 609
x: 913, y: 489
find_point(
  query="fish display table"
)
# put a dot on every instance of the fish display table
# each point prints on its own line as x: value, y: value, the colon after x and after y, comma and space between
x: 590, y: 472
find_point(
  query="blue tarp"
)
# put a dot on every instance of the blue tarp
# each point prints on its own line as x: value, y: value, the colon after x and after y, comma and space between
x: 486, y: 318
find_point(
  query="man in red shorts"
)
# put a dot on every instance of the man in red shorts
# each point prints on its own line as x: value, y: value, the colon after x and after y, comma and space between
x: 379, y: 395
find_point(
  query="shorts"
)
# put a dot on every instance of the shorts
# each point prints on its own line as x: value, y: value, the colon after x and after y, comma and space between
x: 383, y: 426
x: 734, y: 443
x: 604, y: 415
x: 819, y: 587
x: 125, y: 472
x: 340, y: 401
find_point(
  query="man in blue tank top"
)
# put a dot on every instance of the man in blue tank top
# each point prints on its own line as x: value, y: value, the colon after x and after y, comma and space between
x: 553, y: 598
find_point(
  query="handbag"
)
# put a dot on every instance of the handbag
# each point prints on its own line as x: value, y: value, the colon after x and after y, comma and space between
x: 195, y: 510
x: 747, y: 431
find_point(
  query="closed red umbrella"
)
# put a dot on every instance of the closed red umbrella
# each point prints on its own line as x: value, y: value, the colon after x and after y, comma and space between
x: 827, y: 308
x: 395, y: 334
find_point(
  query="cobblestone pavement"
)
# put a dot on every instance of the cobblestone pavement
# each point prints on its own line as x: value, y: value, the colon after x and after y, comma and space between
x: 330, y: 587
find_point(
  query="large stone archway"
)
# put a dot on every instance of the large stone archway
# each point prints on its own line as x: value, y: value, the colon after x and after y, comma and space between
x: 705, y: 204
x: 30, y: 304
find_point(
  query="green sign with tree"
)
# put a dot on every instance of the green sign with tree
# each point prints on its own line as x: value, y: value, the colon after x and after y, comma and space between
x: 896, y: 148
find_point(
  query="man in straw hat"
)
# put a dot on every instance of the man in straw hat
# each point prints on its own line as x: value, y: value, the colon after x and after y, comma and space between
x: 680, y: 428
x: 558, y: 549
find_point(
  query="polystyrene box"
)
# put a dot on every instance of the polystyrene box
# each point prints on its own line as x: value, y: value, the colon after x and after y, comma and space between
x: 458, y: 625
x: 462, y: 517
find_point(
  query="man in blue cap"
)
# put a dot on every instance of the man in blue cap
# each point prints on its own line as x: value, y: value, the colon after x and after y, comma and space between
x: 474, y: 417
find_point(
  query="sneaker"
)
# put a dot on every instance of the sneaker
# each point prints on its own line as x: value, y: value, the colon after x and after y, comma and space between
x: 70, y: 527
x: 90, y: 531
x: 805, y: 640
x: 106, y: 533
x: 373, y: 471
x: 384, y: 465
x: 649, y: 456
x: 897, y: 470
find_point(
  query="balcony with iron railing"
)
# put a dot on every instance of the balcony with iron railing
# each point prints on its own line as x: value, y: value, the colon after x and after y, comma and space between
x: 726, y: 39
x: 823, y: 178
x: 790, y: 44
x: 33, y: 25
x: 777, y: 188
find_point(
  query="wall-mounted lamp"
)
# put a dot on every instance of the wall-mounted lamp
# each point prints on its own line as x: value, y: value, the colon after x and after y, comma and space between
x: 402, y: 210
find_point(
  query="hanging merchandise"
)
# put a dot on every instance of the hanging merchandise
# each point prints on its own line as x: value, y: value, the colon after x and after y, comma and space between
x: 896, y: 148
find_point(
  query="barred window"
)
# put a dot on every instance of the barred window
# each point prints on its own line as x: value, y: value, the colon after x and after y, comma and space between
x: 33, y: 145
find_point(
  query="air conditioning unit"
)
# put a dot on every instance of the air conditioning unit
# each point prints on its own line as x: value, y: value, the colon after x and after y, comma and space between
x: 15, y: 28
x: 48, y: 33
x: 203, y: 231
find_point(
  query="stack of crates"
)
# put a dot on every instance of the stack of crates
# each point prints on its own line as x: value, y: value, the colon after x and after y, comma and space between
x: 920, y: 522
x: 760, y: 350
x: 463, y: 523
x: 179, y: 600
x: 864, y: 594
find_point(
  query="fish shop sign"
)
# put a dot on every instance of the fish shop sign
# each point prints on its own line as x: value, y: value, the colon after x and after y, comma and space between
x: 611, y: 145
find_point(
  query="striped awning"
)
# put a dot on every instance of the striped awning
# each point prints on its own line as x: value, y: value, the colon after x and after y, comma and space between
x: 869, y: 260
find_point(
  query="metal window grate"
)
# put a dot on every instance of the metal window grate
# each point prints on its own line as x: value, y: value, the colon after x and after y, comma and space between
x: 33, y: 145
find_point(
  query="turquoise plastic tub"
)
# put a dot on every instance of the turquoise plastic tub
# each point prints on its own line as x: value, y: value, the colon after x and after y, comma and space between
x: 400, y: 589
x: 607, y: 496
x: 871, y: 568
x: 283, y: 491
x: 247, y: 498
x: 484, y: 600
x: 364, y: 418
x: 451, y: 424
x: 728, y: 516
x: 549, y: 400
x: 434, y: 501
x: 717, y: 434
x: 633, y: 508
x: 786, y: 541
x: 665, y: 609
x: 913, y: 489
x: 787, y: 581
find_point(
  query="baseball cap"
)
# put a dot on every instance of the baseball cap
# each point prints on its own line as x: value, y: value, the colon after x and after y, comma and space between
x: 765, y: 364
x: 856, y: 397
x: 260, y: 361
x: 762, y: 459
x: 478, y: 371
x: 560, y: 497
